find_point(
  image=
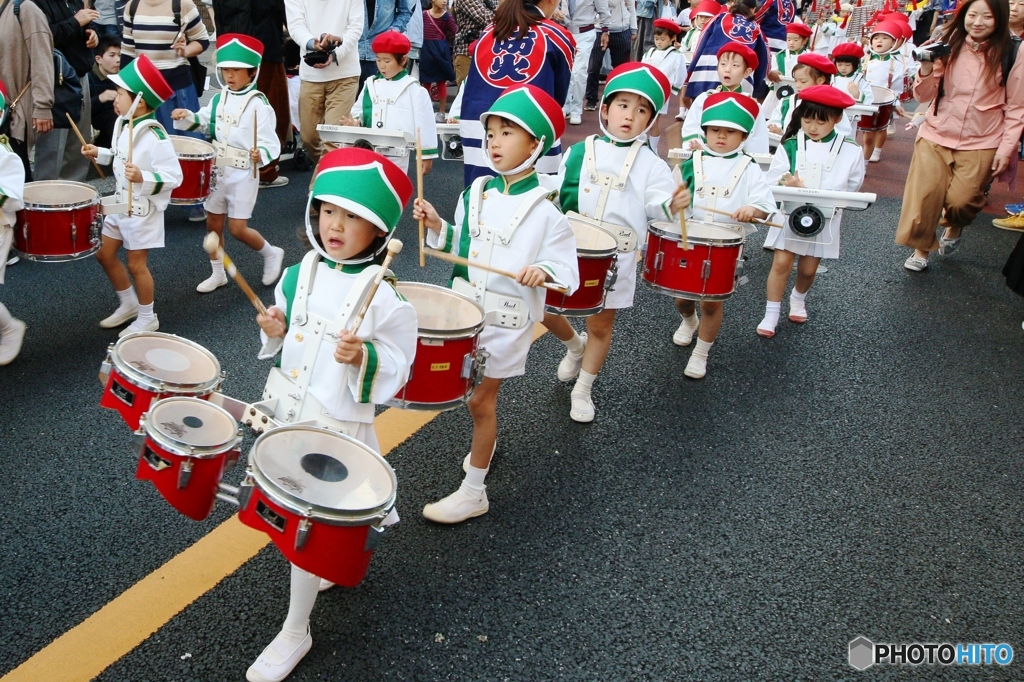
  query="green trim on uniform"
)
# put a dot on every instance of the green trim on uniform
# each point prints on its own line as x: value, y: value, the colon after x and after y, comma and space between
x: 158, y: 183
x: 464, y: 237
x: 371, y: 363
x: 265, y: 151
x: 289, y: 285
x: 790, y: 146
x: 520, y: 186
x: 3, y: 198
x: 569, y: 192
x: 430, y: 152
x: 365, y: 119
x: 449, y: 235
x: 686, y: 171
x: 214, y: 103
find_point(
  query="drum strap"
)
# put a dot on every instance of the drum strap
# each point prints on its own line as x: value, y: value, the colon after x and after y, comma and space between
x: 811, y: 172
x: 224, y: 121
x: 712, y: 192
x: 624, y: 234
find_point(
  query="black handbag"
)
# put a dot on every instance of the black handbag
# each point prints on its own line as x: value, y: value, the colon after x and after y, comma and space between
x: 67, y: 92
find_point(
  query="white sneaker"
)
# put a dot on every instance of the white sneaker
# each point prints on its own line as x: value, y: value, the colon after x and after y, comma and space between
x: 120, y: 316
x: 272, y: 265
x: 683, y: 336
x: 696, y: 368
x: 212, y: 283
x: 279, y: 181
x: 461, y: 505
x: 876, y: 155
x: 274, y: 665
x: 570, y: 365
x: 137, y: 326
x: 12, y: 260
x: 324, y: 585
x: 582, y: 409
x: 10, y: 342
x: 575, y: 119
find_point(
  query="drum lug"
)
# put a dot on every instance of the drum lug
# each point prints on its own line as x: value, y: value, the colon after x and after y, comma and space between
x: 74, y: 231
x: 139, y: 438
x: 659, y: 258
x: 480, y: 357
x: 105, y: 368
x: 245, y: 491
x: 467, y: 365
x: 184, y: 473
x: 705, y: 270
x: 302, y: 534
x: 373, y: 536
x: 613, y: 275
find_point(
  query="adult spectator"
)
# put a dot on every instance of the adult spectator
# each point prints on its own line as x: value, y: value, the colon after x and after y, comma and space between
x: 522, y: 46
x: 646, y: 13
x: 328, y: 87
x: 263, y: 20
x: 29, y: 59
x: 103, y: 89
x: 472, y: 17
x: 381, y: 16
x: 586, y: 20
x: 59, y: 154
x: 106, y: 23
x: 1016, y: 17
x: 972, y: 127
x: 621, y: 33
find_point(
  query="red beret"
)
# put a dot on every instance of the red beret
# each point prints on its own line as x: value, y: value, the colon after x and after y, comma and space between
x: 391, y: 42
x: 817, y: 61
x: 668, y: 25
x: 800, y: 29
x: 897, y: 16
x: 826, y: 95
x: 848, y: 50
x: 706, y: 7
x: 890, y: 28
x: 742, y: 50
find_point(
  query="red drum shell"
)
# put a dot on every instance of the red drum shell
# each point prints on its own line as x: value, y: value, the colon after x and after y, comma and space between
x: 885, y: 100
x: 187, y: 434
x: 596, y: 251
x: 706, y: 272
x: 196, y: 160
x: 60, y: 222
x: 443, y: 372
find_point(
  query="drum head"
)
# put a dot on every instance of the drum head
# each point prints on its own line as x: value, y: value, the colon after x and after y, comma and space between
x: 191, y: 147
x: 702, y: 233
x: 317, y: 468
x: 593, y: 240
x: 882, y: 96
x: 191, y: 421
x: 167, y: 359
x: 53, y: 193
x: 440, y: 310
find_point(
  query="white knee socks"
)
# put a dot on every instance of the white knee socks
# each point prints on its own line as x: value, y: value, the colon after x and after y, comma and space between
x: 304, y: 589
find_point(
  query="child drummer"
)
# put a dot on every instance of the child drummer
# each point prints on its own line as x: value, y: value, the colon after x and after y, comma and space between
x: 814, y: 155
x: 394, y: 100
x: 721, y: 178
x: 360, y: 196
x: 670, y: 61
x: 12, y: 190
x: 505, y: 222
x: 229, y: 119
x: 144, y: 157
x: 589, y: 184
x: 884, y: 69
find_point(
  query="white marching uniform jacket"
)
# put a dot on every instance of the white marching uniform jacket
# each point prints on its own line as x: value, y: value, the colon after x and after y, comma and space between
x: 672, y: 63
x: 626, y: 185
x: 12, y: 195
x: 725, y: 183
x: 835, y: 163
x: 857, y: 78
x: 227, y: 120
x: 885, y: 71
x: 756, y: 142
x: 313, y: 295
x: 399, y: 103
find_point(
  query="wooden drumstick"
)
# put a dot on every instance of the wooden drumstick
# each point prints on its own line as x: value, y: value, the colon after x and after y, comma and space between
x: 131, y: 145
x: 459, y: 260
x: 255, y: 145
x: 394, y: 247
x: 678, y: 175
x: 419, y: 195
x: 756, y: 220
x: 81, y: 139
x: 212, y: 245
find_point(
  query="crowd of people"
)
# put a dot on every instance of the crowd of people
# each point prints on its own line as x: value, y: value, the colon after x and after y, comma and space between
x: 730, y: 88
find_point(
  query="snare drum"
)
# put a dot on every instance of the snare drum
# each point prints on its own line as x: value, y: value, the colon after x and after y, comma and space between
x: 321, y: 497
x: 885, y: 100
x: 449, y: 364
x: 147, y: 366
x: 196, y: 158
x: 596, y: 251
x: 185, y: 446
x: 60, y: 222
x: 706, y: 272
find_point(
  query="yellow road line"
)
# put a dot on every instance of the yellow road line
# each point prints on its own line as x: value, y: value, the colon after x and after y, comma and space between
x: 85, y: 651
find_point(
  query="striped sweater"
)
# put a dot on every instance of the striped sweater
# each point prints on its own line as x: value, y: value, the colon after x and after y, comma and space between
x: 152, y: 31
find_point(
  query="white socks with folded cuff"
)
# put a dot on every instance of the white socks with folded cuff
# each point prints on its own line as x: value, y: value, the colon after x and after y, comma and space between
x: 772, y: 310
x: 475, y: 479
x: 128, y: 298
x: 145, y: 313
x: 584, y: 384
x: 218, y: 268
x: 575, y: 344
x: 267, y: 250
x: 797, y: 302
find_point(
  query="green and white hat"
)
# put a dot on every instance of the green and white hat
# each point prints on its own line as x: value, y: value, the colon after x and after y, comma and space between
x: 141, y: 76
x: 534, y: 110
x: 643, y: 79
x: 237, y: 51
x: 729, y: 110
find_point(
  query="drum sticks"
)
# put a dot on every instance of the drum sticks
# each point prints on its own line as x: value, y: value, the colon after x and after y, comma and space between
x: 419, y: 195
x: 762, y: 222
x: 394, y: 247
x: 212, y: 245
x: 459, y: 260
x: 81, y: 139
x: 678, y: 176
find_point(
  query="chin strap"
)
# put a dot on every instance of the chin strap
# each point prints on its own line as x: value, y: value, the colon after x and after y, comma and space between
x: 315, y: 243
x: 519, y: 169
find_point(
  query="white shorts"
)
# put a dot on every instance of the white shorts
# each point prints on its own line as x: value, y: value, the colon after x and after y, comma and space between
x: 6, y: 237
x: 137, y: 234
x: 508, y: 349
x: 622, y: 292
x: 234, y: 193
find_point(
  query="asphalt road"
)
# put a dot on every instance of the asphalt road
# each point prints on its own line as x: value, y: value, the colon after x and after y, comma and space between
x: 856, y: 475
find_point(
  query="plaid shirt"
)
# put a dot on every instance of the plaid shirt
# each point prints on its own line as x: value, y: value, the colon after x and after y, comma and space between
x: 472, y: 17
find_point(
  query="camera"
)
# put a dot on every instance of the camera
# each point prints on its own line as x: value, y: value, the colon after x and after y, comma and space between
x: 931, y: 52
x: 316, y: 57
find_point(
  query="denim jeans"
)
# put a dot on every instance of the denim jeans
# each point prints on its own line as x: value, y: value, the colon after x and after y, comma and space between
x: 185, y: 98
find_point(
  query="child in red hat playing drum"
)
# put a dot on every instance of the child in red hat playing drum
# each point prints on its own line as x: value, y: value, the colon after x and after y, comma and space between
x: 12, y: 190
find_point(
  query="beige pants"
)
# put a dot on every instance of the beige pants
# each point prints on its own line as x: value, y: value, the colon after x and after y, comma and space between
x: 942, y: 183
x: 320, y: 103
x: 461, y: 63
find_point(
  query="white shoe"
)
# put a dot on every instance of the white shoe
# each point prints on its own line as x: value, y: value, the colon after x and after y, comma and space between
x: 274, y: 665
x: 12, y: 260
x: 683, y: 336
x: 461, y: 505
x: 324, y: 585
x: 696, y: 368
x: 279, y: 181
x: 137, y: 326
x: 212, y: 283
x: 120, y: 316
x: 582, y: 409
x: 272, y: 265
x: 797, y: 312
x: 876, y: 155
x: 765, y: 329
x: 570, y: 365
x: 10, y: 343
x: 575, y: 119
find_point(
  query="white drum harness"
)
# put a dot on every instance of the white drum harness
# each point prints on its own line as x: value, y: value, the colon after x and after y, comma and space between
x: 625, y: 235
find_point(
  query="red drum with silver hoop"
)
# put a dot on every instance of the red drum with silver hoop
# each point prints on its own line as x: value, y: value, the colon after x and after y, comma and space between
x: 321, y: 497
x: 596, y: 251
x: 145, y: 367
x: 449, y: 364
x: 196, y: 158
x: 885, y: 100
x: 705, y: 272
x: 61, y: 221
x: 185, y: 446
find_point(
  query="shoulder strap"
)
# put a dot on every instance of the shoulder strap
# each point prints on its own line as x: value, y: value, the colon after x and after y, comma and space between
x: 132, y: 9
x: 1009, y: 59
x: 176, y: 9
